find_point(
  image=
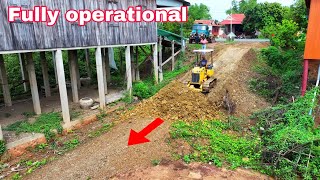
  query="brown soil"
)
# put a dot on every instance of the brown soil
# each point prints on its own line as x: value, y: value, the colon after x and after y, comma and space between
x: 179, y: 170
x: 175, y: 102
x: 109, y: 156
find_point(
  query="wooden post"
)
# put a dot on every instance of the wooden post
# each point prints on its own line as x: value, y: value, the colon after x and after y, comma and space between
x: 102, y: 97
x: 62, y: 88
x: 87, y: 52
x: 104, y: 68
x: 4, y: 83
x: 173, y: 63
x: 108, y: 72
x: 128, y: 70
x: 23, y: 70
x: 160, y: 60
x: 73, y: 75
x: 44, y: 66
x: 156, y: 63
x: 54, y: 66
x: 137, y: 65
x: 33, y: 84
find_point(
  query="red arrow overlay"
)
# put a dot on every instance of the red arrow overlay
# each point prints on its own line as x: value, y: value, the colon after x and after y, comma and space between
x: 139, y: 138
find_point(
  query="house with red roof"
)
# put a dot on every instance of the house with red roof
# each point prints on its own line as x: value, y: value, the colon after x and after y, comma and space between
x: 235, y: 21
x: 213, y: 27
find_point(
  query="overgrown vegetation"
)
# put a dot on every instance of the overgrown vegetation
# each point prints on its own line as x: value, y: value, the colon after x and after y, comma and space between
x: 279, y: 74
x: 212, y: 142
x: 45, y: 123
x: 291, y: 143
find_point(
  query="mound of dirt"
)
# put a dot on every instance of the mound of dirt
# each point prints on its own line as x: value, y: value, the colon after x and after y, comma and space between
x: 175, y: 102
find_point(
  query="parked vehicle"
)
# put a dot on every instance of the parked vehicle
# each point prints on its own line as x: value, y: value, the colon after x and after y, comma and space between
x: 198, y: 31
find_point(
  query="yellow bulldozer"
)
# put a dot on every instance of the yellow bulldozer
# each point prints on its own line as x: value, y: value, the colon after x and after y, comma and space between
x: 202, y: 78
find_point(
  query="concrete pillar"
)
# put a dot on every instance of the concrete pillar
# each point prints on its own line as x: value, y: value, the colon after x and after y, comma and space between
x: 137, y: 65
x: 23, y: 70
x: 156, y: 63
x: 128, y: 70
x: 54, y: 66
x: 62, y: 88
x: 77, y: 68
x: 4, y: 83
x: 104, y: 68
x: 173, y: 60
x: 1, y: 134
x: 160, y: 60
x: 102, y: 97
x: 73, y: 75
x: 44, y: 66
x: 108, y: 71
x: 87, y: 54
x: 33, y: 84
x: 133, y: 65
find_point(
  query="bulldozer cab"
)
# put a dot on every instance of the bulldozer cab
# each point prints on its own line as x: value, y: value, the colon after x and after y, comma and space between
x: 207, y: 53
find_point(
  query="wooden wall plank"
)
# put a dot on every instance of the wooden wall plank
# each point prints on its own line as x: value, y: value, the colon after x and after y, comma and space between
x: 33, y: 36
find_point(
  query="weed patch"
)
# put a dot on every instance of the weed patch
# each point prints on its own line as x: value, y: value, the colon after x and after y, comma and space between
x: 43, y: 124
x: 211, y: 143
x: 105, y: 128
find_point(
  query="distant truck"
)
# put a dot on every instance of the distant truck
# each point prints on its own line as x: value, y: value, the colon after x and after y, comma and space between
x: 200, y: 30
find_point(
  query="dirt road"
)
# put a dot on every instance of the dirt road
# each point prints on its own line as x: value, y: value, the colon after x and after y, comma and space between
x: 109, y: 156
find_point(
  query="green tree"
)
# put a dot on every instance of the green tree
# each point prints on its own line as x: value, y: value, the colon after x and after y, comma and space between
x: 298, y: 13
x: 282, y: 34
x: 263, y: 14
x: 241, y: 6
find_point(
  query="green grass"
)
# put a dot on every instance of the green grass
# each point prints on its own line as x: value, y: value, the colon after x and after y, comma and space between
x: 105, y: 128
x: 43, y: 124
x: 211, y: 142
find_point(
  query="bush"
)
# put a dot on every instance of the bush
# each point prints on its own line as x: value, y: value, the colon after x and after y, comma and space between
x: 142, y: 90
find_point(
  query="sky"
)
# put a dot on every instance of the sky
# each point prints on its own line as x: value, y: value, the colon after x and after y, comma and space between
x: 219, y: 7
